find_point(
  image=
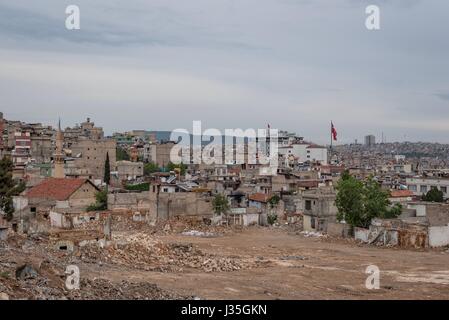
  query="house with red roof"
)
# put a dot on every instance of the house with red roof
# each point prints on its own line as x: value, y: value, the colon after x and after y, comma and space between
x: 63, y: 192
x: 401, y: 196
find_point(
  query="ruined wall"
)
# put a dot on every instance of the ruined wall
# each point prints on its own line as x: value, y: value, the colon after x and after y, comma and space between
x: 134, y: 201
x: 293, y: 204
x: 336, y: 229
x: 168, y: 205
x: 395, y: 232
x: 437, y: 214
x: 439, y: 236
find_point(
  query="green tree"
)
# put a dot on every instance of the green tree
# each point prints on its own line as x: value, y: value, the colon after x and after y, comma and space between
x: 107, y: 170
x: 171, y: 167
x: 220, y: 204
x: 7, y: 188
x: 433, y: 195
x: 274, y: 201
x: 101, y: 203
x: 150, y: 168
x: 359, y: 202
x: 121, y: 154
x: 349, y: 200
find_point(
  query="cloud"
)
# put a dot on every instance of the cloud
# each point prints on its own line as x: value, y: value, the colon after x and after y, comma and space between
x: 442, y: 96
x: 230, y: 63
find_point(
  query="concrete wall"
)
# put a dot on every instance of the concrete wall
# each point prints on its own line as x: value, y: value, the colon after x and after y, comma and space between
x: 336, y: 229
x: 19, y: 203
x: 439, y: 236
x: 3, y: 234
x: 135, y: 201
x: 250, y: 219
x: 168, y: 205
x: 307, y: 223
x: 420, y: 209
x: 437, y: 214
x: 361, y: 234
x: 59, y: 220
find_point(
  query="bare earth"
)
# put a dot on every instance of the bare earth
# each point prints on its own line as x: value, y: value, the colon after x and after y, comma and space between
x: 297, y: 267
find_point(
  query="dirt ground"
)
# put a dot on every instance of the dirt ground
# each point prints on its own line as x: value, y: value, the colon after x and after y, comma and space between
x: 292, y: 266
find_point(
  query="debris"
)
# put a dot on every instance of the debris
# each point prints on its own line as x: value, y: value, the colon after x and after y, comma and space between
x: 196, y: 233
x: 293, y: 258
x: 26, y: 272
x: 309, y: 234
x: 4, y: 296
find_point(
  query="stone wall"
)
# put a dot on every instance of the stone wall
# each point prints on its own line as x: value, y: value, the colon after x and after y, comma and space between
x: 134, y: 201
x: 168, y: 205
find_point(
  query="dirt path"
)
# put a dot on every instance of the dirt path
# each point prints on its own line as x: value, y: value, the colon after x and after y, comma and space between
x: 299, y: 268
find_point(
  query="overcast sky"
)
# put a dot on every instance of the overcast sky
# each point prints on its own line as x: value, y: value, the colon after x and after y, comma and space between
x: 296, y: 64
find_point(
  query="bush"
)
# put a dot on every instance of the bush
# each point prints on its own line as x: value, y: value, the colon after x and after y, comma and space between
x: 138, y: 187
x: 271, y: 219
x: 101, y: 201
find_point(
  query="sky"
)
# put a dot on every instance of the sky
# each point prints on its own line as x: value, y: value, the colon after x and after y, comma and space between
x: 295, y: 64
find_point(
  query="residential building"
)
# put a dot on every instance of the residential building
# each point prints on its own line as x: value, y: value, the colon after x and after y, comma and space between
x: 421, y: 185
x: 319, y: 208
x: 90, y: 156
x: 71, y: 193
x: 21, y: 154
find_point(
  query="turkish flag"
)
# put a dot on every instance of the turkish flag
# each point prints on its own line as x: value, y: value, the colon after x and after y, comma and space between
x: 333, y: 132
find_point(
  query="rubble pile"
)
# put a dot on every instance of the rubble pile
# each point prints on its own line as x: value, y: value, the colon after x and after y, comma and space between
x: 184, y: 224
x: 124, y: 290
x: 144, y: 252
x: 118, y: 223
x: 46, y: 281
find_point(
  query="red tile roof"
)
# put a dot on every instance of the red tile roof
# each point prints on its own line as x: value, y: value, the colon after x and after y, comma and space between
x: 401, y: 193
x: 260, y: 197
x: 56, y: 188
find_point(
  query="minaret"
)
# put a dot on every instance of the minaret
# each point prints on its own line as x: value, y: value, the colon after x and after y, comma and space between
x: 58, y: 157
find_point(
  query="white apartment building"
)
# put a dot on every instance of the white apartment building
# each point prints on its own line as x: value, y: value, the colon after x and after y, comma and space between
x: 421, y: 186
x: 304, y: 152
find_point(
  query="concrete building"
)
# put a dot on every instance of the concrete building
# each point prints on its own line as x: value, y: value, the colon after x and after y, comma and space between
x: 370, y: 140
x: 90, y: 156
x: 420, y: 186
x: 158, y: 153
x: 41, y: 148
x: 85, y: 130
x: 128, y: 171
x: 21, y: 154
x: 165, y: 205
x: 301, y: 151
x: 319, y: 208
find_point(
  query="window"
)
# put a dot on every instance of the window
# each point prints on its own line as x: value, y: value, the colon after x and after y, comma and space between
x: 33, y: 209
x: 423, y: 189
x: 443, y: 189
x: 412, y: 187
x: 308, y: 205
